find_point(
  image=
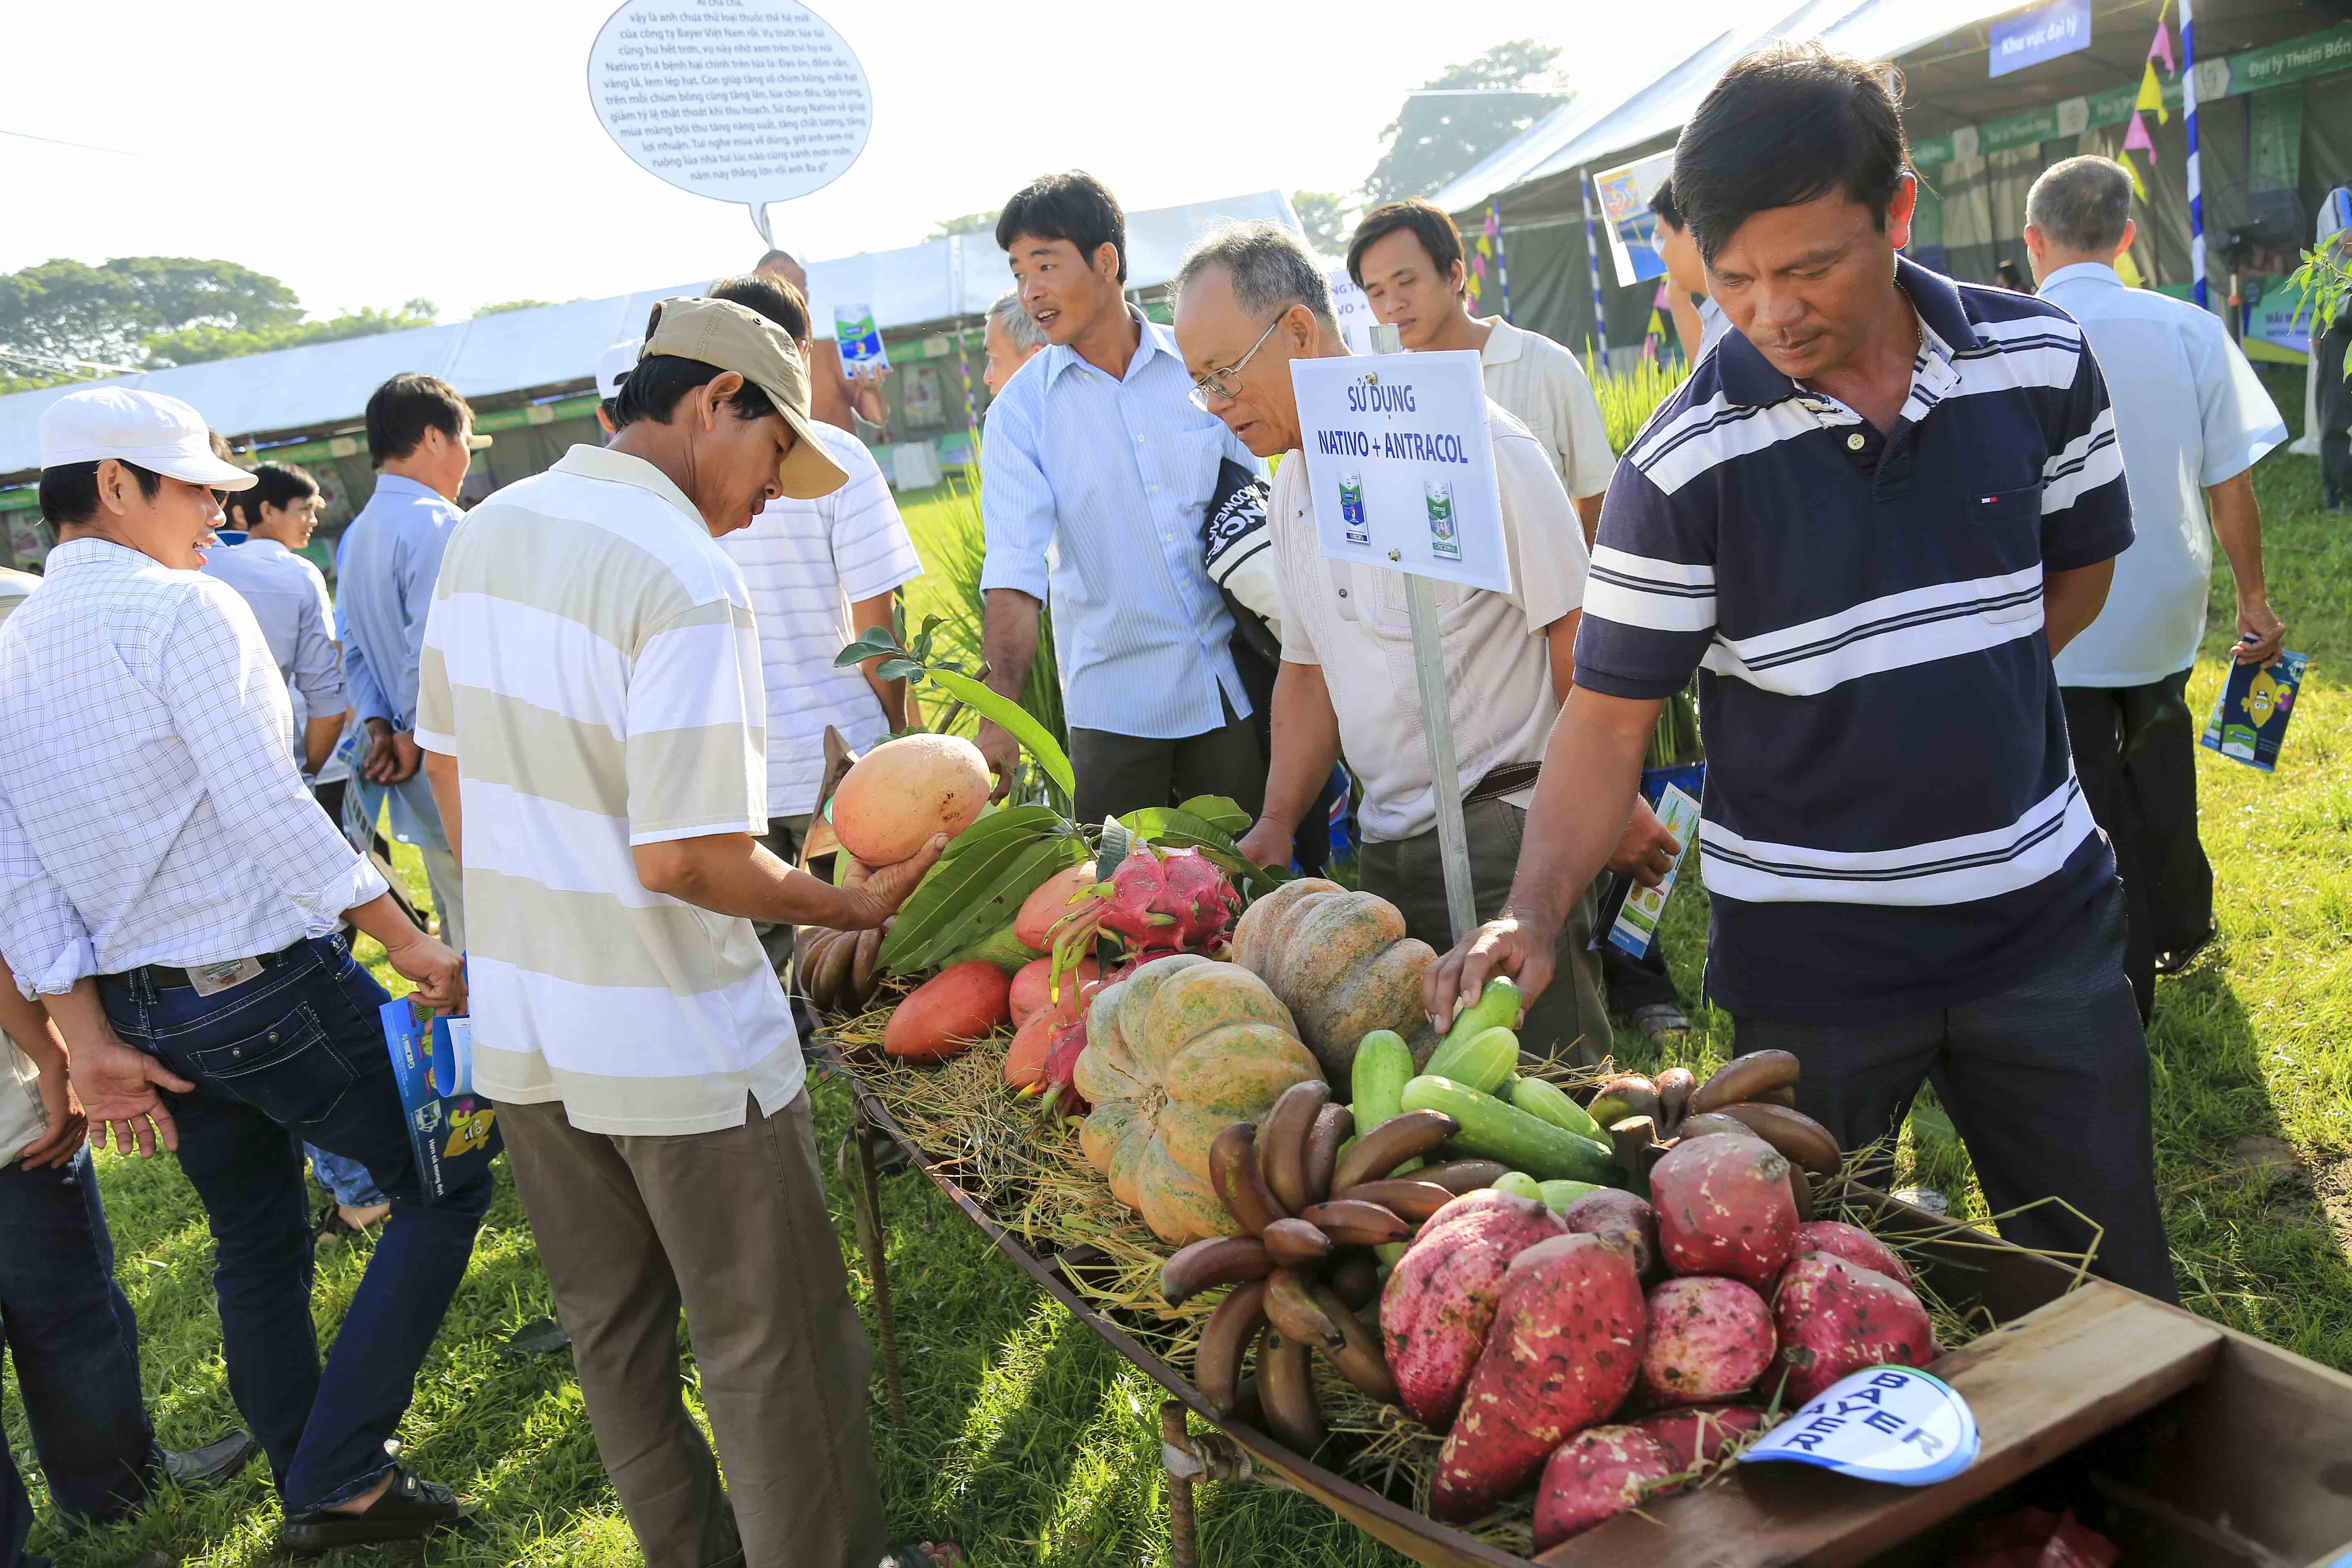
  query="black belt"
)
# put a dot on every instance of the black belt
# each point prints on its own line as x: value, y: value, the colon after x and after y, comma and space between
x: 171, y: 977
x: 1508, y: 779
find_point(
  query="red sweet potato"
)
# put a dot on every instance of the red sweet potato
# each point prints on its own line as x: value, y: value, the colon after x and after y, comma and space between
x: 1723, y: 1207
x: 948, y: 1012
x: 1611, y: 1208
x: 1708, y: 1339
x: 1033, y: 989
x: 1835, y: 1317
x: 1854, y: 1244
x: 1563, y: 1351
x: 1441, y: 1297
x: 1595, y: 1476
x: 1702, y: 1432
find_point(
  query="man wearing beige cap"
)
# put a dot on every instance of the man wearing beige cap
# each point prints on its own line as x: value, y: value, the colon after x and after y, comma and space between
x: 173, y: 897
x: 595, y: 727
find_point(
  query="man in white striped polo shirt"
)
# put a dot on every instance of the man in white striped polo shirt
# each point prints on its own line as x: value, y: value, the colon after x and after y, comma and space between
x: 591, y: 697
x: 1868, y: 521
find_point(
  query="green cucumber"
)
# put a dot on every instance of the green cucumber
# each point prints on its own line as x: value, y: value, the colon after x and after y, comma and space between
x: 1558, y: 1195
x: 1552, y: 1102
x: 1499, y: 1006
x: 1494, y: 1131
x: 1519, y: 1184
x: 1383, y: 1063
x: 1482, y: 1060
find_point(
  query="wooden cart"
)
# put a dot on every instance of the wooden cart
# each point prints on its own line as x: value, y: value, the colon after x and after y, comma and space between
x: 2204, y: 1446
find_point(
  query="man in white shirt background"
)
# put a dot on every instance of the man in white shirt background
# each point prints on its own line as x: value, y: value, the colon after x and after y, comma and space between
x: 2193, y: 419
x: 1344, y: 639
x: 188, y: 950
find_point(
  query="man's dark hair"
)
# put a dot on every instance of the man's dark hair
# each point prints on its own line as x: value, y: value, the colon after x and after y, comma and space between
x: 276, y: 484
x: 1075, y: 206
x: 1662, y: 202
x: 401, y: 410
x: 655, y: 384
x: 1787, y: 124
x: 1428, y: 223
x: 68, y: 493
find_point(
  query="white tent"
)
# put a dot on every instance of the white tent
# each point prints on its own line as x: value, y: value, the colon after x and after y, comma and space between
x: 553, y: 348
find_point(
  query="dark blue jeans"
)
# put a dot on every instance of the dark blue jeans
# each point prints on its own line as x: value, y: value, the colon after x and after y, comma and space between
x: 297, y: 1055
x: 75, y: 1343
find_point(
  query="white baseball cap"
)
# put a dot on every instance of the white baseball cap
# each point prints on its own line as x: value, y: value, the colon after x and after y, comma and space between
x: 143, y: 427
x: 614, y: 363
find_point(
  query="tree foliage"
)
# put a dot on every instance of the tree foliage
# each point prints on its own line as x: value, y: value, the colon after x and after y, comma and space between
x: 501, y: 306
x: 1494, y: 98
x: 197, y: 344
x: 1324, y: 216
x: 970, y: 223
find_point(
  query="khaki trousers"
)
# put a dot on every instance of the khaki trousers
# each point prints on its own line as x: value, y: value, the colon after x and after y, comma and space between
x: 731, y: 1228
x: 448, y: 880
x: 1569, y: 1021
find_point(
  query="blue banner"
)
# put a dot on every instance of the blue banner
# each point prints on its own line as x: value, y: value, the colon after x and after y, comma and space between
x: 2043, y: 35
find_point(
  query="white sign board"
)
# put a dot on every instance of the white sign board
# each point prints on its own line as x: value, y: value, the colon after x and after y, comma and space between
x: 1400, y: 464
x: 1883, y: 1424
x: 1354, y: 311
x: 739, y: 100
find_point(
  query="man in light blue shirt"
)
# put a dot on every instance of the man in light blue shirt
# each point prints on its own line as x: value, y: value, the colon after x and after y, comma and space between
x: 289, y: 597
x: 421, y: 441
x: 1096, y: 470
x: 2193, y: 419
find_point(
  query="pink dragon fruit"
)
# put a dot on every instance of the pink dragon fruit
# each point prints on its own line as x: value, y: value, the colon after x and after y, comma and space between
x: 1153, y: 903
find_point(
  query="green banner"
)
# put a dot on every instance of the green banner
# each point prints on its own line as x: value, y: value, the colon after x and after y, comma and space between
x: 2274, y: 158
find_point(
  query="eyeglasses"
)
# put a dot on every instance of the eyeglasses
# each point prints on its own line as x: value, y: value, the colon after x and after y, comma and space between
x: 1215, y: 384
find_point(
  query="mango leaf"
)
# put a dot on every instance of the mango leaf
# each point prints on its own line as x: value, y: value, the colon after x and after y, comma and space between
x: 897, y: 668
x: 964, y: 875
x: 1177, y: 828
x: 1016, y: 722
x: 872, y: 643
x: 1220, y: 812
x: 997, y: 901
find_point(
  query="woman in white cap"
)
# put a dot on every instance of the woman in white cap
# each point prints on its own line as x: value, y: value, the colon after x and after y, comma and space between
x: 172, y: 894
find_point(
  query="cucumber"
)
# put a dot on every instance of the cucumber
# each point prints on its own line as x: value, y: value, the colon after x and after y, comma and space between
x: 1498, y: 1007
x: 1383, y: 1063
x: 1558, y: 1195
x: 1519, y: 1184
x: 1494, y: 1131
x: 1482, y: 1060
x: 1552, y: 1102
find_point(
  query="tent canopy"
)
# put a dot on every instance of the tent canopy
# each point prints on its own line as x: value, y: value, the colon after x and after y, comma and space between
x: 553, y: 348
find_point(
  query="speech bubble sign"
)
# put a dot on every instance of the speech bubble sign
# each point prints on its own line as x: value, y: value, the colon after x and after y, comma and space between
x: 740, y: 101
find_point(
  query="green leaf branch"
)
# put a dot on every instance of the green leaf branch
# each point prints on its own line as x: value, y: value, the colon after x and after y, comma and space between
x: 914, y: 664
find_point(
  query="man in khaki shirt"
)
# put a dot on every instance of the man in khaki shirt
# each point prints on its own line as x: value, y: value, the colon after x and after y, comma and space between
x: 1407, y: 259
x: 1346, y: 678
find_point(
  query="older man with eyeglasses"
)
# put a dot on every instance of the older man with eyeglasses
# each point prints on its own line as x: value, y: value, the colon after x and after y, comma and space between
x: 1250, y: 299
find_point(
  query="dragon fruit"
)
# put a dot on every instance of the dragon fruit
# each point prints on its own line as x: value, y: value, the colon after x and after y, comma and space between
x: 1154, y: 903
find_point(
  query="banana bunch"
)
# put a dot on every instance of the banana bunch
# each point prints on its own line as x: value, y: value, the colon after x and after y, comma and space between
x: 835, y: 968
x: 1303, y: 1265
x: 1754, y: 1095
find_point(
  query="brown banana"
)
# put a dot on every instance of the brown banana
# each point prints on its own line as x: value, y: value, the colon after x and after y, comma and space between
x: 1359, y: 1357
x: 1628, y: 1094
x: 1241, y: 1186
x: 1675, y: 1086
x: 831, y: 971
x: 1285, y: 1386
x: 1282, y: 1140
x: 1799, y: 1137
x: 861, y: 967
x: 1291, y: 1308
x: 1219, y: 1260
x: 1334, y: 1125
x: 1384, y: 1148
x: 1356, y: 1282
x: 1295, y: 1243
x: 1408, y: 1197
x: 1709, y: 1123
x: 1459, y: 1176
x: 1801, y: 1187
x: 1784, y: 1095
x: 1745, y: 1077
x: 1225, y: 1338
x: 1352, y: 1222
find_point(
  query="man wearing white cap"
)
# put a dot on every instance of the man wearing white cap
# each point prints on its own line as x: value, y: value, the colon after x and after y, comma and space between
x: 593, y: 717
x: 172, y: 894
x: 612, y: 368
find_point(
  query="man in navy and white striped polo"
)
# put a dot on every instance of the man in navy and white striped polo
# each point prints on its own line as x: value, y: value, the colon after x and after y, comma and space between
x: 1867, y: 521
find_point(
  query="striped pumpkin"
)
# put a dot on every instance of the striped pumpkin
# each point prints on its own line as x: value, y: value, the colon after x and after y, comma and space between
x: 1342, y: 963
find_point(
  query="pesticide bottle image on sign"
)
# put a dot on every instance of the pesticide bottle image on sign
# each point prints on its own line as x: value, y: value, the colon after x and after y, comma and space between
x: 1437, y: 495
x: 1351, y: 507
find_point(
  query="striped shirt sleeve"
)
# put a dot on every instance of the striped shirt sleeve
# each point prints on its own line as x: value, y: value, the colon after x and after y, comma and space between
x: 871, y: 548
x: 2086, y: 509
x: 1649, y: 601
x: 696, y: 752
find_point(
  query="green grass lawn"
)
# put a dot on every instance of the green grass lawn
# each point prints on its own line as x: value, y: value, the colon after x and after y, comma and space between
x: 1032, y: 1442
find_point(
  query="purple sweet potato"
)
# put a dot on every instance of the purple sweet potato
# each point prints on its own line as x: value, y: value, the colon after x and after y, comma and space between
x: 1563, y: 1351
x: 1702, y: 1432
x: 1723, y: 1207
x: 1708, y: 1339
x: 1441, y: 1297
x: 1595, y: 1476
x: 1611, y: 1208
x: 1854, y: 1244
x: 1836, y: 1317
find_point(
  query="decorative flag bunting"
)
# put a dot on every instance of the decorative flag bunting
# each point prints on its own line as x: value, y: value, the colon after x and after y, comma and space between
x: 2151, y: 96
x: 2161, y: 48
x: 1491, y: 232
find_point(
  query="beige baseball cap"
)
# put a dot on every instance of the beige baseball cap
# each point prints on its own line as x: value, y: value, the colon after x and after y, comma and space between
x: 738, y: 338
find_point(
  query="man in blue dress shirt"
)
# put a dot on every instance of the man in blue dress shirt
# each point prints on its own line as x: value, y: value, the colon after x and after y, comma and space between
x: 421, y: 441
x: 1096, y: 468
